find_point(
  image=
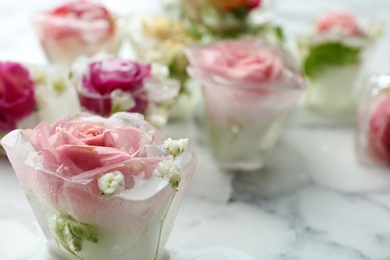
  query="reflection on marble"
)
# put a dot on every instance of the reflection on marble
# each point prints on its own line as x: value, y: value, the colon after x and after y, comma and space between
x: 312, y: 201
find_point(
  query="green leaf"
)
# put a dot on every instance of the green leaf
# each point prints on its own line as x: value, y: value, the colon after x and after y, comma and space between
x: 176, y: 73
x: 173, y: 67
x: 194, y: 31
x: 268, y: 31
x: 115, y: 109
x: 71, y: 234
x: 330, y: 54
x: 83, y: 231
x: 241, y: 13
x: 58, y: 227
x: 279, y: 33
x: 73, y: 241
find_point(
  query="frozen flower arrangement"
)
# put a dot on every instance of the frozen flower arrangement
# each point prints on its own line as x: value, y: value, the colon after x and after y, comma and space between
x: 77, y: 28
x: 217, y: 19
x: 373, y: 127
x: 161, y: 40
x: 332, y: 58
x: 112, y: 84
x: 249, y: 89
x: 29, y: 94
x: 102, y: 188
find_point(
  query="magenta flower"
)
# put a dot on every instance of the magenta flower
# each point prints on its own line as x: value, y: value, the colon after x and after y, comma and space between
x: 379, y: 130
x: 16, y: 94
x: 113, y: 85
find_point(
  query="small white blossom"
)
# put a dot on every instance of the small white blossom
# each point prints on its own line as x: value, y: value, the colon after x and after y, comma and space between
x: 121, y: 100
x: 158, y: 120
x: 111, y: 183
x: 159, y: 70
x: 175, y: 147
x: 169, y: 170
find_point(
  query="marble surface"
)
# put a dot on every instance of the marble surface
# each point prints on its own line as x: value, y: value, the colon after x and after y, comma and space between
x: 312, y: 201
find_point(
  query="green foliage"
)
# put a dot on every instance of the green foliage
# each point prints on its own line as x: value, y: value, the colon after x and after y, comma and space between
x: 115, y: 109
x: 264, y: 31
x: 194, y: 31
x: 330, y: 54
x: 175, y: 183
x: 70, y: 234
x: 241, y: 12
x: 176, y: 73
x: 269, y: 31
x: 279, y: 33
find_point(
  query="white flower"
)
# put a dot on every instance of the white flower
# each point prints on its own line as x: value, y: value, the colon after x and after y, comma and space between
x: 158, y: 120
x: 159, y: 71
x: 121, y: 100
x: 169, y: 170
x: 175, y: 147
x: 111, y: 183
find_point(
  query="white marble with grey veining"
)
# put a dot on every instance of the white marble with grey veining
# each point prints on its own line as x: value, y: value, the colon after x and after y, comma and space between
x: 313, y: 201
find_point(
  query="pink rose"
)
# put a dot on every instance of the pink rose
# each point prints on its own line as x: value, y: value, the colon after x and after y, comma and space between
x: 111, y: 79
x: 240, y: 60
x: 16, y: 94
x: 379, y: 130
x: 74, y: 152
x: 346, y: 22
x: 86, y: 144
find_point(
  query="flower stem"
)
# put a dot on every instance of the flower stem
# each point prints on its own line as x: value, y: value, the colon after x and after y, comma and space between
x: 162, y: 222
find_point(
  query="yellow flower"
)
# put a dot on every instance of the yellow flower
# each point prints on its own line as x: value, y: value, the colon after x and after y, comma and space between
x: 171, y: 37
x: 162, y: 28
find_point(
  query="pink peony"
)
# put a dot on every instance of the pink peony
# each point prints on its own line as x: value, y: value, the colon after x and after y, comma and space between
x: 114, y: 74
x: 346, y: 22
x: 241, y: 61
x: 16, y: 94
x: 379, y: 130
